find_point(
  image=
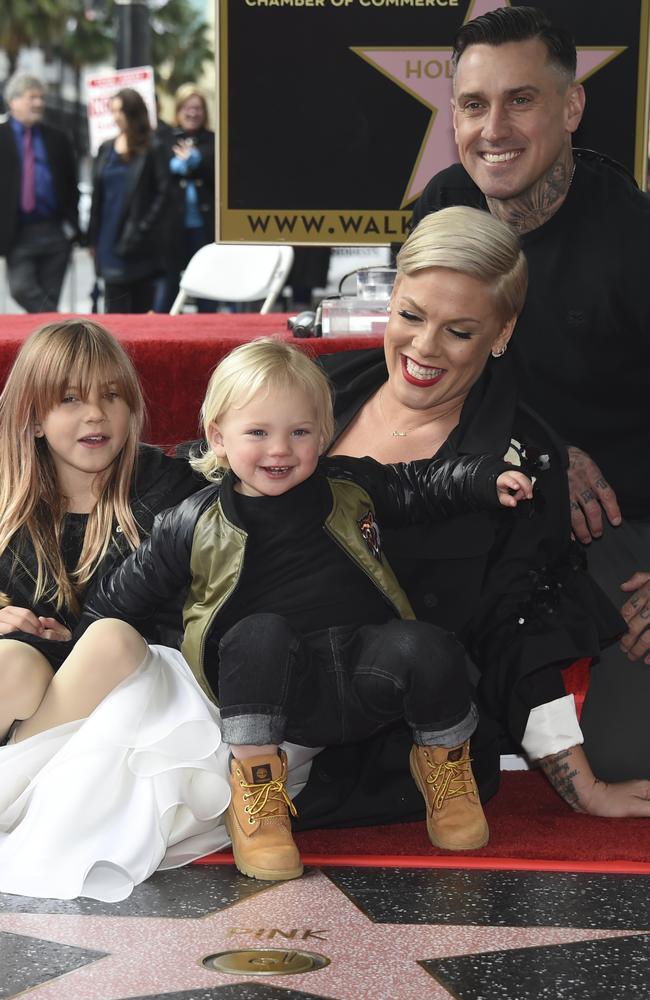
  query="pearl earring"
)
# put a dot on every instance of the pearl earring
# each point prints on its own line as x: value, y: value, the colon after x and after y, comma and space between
x: 500, y: 351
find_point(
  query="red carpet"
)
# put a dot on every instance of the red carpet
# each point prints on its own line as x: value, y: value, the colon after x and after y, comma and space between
x: 530, y: 827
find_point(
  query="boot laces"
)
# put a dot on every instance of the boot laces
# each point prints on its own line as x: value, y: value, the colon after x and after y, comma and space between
x: 450, y: 779
x: 265, y: 797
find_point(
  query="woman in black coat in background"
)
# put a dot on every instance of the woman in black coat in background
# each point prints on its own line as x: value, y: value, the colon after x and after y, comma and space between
x: 189, y: 221
x: 130, y: 187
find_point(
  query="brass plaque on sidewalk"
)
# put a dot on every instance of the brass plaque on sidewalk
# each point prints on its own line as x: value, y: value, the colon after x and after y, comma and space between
x: 265, y: 962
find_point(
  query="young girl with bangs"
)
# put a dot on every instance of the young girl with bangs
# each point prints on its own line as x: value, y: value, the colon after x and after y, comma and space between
x: 77, y: 493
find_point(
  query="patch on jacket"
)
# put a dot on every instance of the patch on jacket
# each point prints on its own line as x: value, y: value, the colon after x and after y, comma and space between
x: 370, y: 533
x: 527, y: 457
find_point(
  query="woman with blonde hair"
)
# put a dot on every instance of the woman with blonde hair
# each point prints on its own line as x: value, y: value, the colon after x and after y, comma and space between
x: 189, y: 222
x: 513, y: 590
x: 104, y: 730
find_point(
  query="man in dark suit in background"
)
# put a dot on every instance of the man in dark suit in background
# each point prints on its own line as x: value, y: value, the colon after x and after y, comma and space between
x: 40, y: 197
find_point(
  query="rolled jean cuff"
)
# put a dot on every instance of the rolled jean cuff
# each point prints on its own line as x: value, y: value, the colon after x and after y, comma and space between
x: 552, y: 728
x: 451, y: 736
x: 254, y: 730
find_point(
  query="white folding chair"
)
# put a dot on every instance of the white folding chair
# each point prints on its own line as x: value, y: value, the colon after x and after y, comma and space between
x: 236, y: 272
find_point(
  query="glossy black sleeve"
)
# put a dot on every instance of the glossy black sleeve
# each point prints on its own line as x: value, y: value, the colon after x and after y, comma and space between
x: 148, y: 579
x: 431, y: 489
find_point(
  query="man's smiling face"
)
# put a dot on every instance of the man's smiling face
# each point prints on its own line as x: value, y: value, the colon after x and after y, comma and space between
x: 514, y: 114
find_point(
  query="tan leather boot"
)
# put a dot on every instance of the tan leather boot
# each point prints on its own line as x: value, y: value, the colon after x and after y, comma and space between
x: 455, y: 819
x: 258, y: 821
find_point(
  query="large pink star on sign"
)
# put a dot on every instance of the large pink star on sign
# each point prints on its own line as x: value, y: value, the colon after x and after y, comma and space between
x: 425, y: 73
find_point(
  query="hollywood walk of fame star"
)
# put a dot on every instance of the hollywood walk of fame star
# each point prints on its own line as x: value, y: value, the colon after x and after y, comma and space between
x: 147, y: 956
x: 425, y: 73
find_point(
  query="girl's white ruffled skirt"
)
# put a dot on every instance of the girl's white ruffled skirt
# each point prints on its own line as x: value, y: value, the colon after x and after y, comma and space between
x: 92, y: 808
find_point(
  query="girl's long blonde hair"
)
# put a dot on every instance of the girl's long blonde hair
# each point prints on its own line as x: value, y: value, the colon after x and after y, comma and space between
x: 81, y: 353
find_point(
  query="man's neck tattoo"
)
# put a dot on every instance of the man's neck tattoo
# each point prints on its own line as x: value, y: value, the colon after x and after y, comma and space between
x: 532, y: 209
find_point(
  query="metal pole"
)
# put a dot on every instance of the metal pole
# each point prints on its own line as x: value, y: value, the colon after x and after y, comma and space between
x: 133, y: 34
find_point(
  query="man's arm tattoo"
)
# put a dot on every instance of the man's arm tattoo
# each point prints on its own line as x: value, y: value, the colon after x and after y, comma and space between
x: 559, y: 773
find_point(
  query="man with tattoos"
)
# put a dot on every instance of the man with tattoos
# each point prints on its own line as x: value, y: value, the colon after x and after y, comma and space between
x: 583, y: 350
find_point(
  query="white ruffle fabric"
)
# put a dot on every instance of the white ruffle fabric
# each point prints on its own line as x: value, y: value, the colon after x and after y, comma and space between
x: 94, y: 807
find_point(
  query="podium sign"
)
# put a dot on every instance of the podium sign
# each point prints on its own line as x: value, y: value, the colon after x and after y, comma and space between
x: 334, y: 114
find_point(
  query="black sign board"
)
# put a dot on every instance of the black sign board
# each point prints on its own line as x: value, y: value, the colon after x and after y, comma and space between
x: 333, y: 114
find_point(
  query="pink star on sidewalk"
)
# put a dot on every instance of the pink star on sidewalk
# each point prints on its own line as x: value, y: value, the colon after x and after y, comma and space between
x: 369, y: 961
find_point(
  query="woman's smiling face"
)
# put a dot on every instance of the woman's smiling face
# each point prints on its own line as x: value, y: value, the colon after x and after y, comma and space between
x: 442, y: 327
x: 191, y: 114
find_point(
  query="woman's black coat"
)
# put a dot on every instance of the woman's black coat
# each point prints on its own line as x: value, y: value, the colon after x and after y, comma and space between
x: 511, y: 585
x: 202, y: 175
x: 146, y: 198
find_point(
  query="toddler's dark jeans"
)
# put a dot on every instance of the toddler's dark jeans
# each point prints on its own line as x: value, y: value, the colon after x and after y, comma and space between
x: 341, y: 685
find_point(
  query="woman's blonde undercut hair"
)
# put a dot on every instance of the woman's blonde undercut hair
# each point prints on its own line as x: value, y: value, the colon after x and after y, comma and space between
x: 261, y: 366
x: 472, y: 242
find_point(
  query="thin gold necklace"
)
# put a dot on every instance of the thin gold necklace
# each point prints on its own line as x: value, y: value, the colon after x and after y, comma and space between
x: 432, y: 424
x: 393, y: 433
